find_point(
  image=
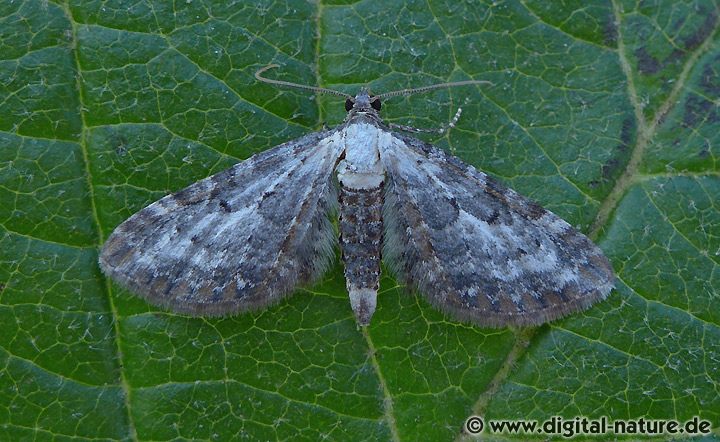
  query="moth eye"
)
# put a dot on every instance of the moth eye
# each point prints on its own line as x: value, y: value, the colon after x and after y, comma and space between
x: 349, y: 104
x: 375, y: 104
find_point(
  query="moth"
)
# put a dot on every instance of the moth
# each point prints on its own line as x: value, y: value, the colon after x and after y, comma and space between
x: 246, y: 237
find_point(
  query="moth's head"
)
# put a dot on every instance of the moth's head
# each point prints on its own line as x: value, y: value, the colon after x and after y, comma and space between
x: 363, y: 103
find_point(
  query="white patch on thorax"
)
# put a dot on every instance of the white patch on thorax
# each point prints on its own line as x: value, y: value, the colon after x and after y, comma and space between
x: 361, y: 168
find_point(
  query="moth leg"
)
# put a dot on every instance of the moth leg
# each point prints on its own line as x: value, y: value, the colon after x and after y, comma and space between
x: 438, y: 130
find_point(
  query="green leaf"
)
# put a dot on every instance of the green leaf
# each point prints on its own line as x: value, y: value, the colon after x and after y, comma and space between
x: 606, y: 113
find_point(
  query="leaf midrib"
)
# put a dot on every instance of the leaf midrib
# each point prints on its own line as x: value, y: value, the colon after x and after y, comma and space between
x: 96, y: 221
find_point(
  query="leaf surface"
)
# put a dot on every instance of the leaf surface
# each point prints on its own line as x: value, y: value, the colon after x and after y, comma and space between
x: 606, y: 113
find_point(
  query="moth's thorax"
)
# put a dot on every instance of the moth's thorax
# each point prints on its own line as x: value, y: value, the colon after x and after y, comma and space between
x: 361, y: 168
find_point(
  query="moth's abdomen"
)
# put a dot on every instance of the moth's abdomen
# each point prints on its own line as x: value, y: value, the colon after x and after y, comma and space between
x: 360, y: 241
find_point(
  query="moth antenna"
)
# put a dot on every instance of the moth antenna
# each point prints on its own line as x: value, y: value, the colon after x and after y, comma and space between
x: 321, y: 90
x: 419, y: 90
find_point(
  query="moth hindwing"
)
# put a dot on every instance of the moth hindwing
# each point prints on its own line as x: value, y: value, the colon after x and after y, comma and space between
x: 246, y: 237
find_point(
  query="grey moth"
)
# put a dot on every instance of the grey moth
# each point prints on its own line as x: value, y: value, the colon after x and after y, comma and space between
x: 247, y: 237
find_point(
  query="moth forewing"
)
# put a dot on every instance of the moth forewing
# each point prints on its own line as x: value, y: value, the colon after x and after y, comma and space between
x: 238, y: 240
x: 478, y: 250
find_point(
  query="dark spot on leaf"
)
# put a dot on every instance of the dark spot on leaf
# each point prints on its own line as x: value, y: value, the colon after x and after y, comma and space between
x: 610, y: 168
x: 626, y: 133
x: 610, y: 31
x: 647, y: 64
x: 710, y: 78
x: 703, y: 32
x: 696, y: 109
